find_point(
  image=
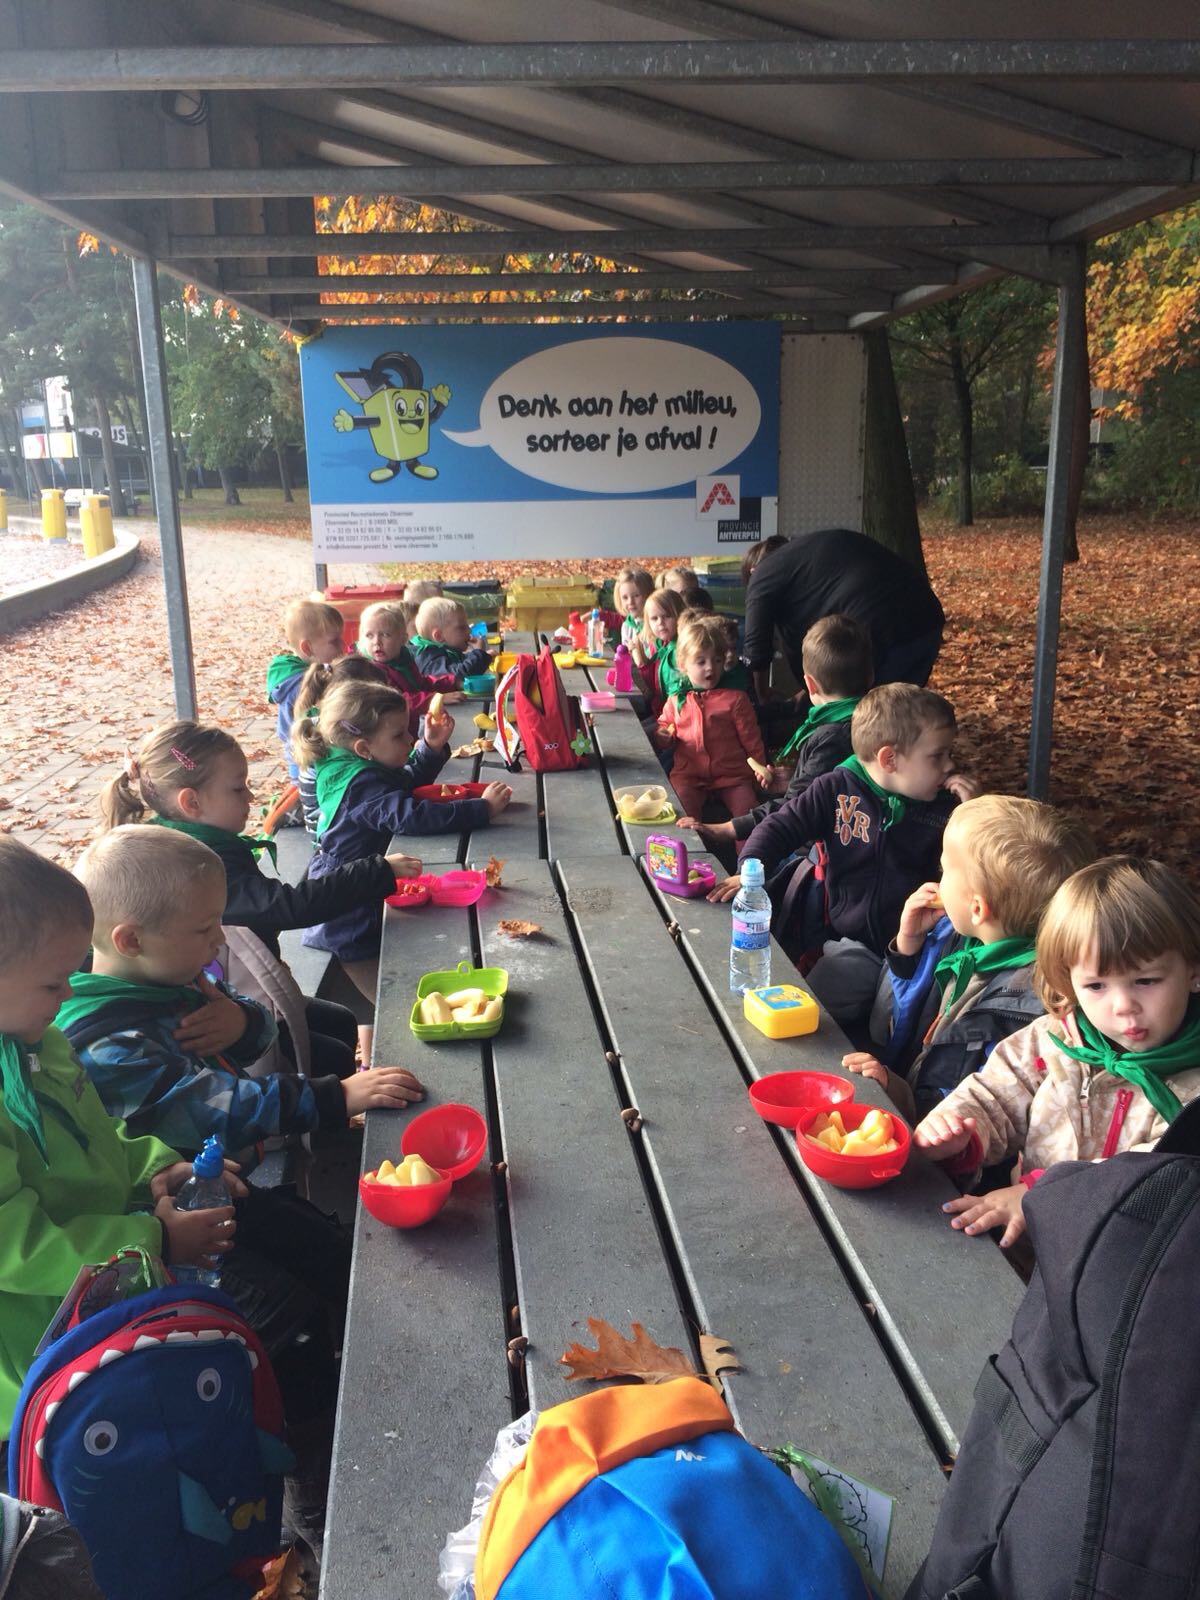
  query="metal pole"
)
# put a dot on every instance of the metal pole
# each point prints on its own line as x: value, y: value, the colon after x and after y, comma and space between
x: 1068, y: 358
x: 158, y: 434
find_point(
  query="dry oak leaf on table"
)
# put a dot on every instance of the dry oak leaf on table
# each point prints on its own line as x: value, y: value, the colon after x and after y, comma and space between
x: 283, y: 1579
x: 517, y: 928
x: 615, y: 1356
x: 491, y: 873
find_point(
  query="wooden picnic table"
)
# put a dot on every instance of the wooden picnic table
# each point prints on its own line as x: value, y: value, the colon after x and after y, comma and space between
x: 860, y: 1318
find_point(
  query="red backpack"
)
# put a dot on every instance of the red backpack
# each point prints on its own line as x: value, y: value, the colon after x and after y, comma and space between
x: 547, y: 722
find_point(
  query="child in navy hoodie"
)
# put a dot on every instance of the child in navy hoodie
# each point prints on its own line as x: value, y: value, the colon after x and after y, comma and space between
x: 441, y: 643
x: 314, y: 633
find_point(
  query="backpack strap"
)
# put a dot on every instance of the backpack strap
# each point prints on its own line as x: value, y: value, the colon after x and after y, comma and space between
x: 507, y: 739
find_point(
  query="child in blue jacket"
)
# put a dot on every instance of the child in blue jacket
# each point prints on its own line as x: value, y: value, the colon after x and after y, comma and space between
x: 314, y: 633
x: 441, y: 643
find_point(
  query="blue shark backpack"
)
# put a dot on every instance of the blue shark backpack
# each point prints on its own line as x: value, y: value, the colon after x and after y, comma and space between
x: 157, y: 1428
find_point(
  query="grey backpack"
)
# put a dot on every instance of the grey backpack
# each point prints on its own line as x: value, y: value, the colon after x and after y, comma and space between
x: 1079, y: 1471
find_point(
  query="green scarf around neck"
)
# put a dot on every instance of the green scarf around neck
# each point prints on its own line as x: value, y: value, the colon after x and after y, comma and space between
x: 1146, y: 1069
x: 670, y: 679
x: 419, y: 642
x: 284, y: 667
x: 403, y: 665
x: 960, y: 966
x: 894, y: 805
x: 91, y: 991
x: 818, y: 717
x: 218, y: 839
x: 335, y: 773
x: 16, y: 1090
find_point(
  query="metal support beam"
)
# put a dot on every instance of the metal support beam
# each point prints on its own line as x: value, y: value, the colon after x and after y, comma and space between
x: 1069, y: 355
x: 162, y: 473
x: 500, y: 66
x: 423, y: 182
x: 536, y: 310
x: 653, y: 237
x: 853, y: 278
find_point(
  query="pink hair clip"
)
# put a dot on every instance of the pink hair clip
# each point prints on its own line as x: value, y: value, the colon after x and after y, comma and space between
x: 183, y: 760
x: 350, y: 728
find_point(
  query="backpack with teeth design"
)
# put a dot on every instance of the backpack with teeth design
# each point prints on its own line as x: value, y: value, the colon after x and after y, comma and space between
x: 156, y: 1426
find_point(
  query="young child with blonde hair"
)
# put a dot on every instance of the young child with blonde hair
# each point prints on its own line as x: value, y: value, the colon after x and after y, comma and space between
x: 383, y: 639
x: 441, y: 642
x: 366, y: 770
x: 632, y: 587
x: 313, y: 631
x: 1111, y: 1065
x: 709, y: 727
x: 961, y: 964
x: 653, y: 649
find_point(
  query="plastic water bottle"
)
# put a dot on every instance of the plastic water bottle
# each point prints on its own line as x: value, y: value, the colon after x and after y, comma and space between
x: 204, y: 1190
x: 750, y: 946
x: 595, y: 634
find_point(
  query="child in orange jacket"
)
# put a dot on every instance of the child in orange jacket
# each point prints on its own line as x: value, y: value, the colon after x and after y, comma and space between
x: 710, y: 728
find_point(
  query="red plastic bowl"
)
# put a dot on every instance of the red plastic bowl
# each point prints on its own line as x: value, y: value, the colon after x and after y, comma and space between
x: 451, y: 1138
x: 851, y: 1172
x: 782, y: 1096
x: 410, y: 893
x: 404, y: 1207
x: 458, y: 791
x: 456, y: 888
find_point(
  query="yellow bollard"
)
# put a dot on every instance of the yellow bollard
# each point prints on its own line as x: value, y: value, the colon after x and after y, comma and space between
x: 102, y: 515
x: 3, y: 510
x: 54, y: 515
x: 88, y: 528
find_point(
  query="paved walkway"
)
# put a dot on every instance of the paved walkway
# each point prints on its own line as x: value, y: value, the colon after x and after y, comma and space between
x: 79, y: 688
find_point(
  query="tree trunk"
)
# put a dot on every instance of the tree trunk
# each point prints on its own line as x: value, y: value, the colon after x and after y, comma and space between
x: 1080, y: 441
x: 285, y: 473
x: 232, y: 498
x: 185, y: 472
x: 966, y: 429
x: 116, y: 495
x: 889, y: 499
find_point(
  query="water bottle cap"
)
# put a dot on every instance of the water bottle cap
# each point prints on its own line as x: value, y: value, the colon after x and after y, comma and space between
x: 210, y: 1163
x: 751, y: 873
x: 595, y: 611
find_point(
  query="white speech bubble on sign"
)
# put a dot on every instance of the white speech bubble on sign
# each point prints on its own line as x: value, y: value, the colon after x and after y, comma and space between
x: 617, y: 416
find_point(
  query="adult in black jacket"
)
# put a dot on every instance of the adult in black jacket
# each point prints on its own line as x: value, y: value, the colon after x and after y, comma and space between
x: 815, y: 574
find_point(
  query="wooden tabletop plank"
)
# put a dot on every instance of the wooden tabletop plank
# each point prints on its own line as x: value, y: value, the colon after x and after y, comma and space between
x: 584, y: 1236
x: 424, y: 1374
x: 764, y: 1276
x: 920, y: 1274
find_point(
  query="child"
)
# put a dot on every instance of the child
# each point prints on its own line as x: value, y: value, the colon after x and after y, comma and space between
x: 314, y: 633
x: 653, y: 649
x: 837, y: 673
x: 193, y: 779
x: 971, y: 939
x: 165, y: 1046
x: 418, y: 590
x: 683, y: 581
x: 383, y: 638
x: 316, y: 681
x: 441, y: 644
x: 366, y: 771
x: 632, y: 587
x: 878, y: 819
x: 75, y: 1187
x: 1118, y: 966
x: 710, y: 728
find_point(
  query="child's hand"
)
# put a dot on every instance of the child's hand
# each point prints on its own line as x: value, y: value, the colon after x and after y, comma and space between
x: 637, y: 651
x: 1002, y: 1208
x: 496, y: 795
x: 777, y: 783
x: 726, y: 889
x: 763, y: 773
x: 214, y: 1026
x: 194, y: 1238
x: 961, y: 787
x: 922, y: 911
x: 453, y: 697
x: 862, y: 1062
x: 944, y: 1135
x: 381, y: 1086
x: 664, y: 735
x: 438, y: 730
x: 404, y: 866
x: 169, y: 1180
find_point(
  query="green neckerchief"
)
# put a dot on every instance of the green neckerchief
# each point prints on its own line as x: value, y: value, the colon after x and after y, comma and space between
x: 284, y: 667
x: 893, y: 804
x: 670, y: 679
x: 1144, y: 1068
x: 91, y: 991
x: 16, y: 1089
x: 418, y: 642
x: 818, y: 717
x: 734, y: 678
x: 961, y: 965
x: 335, y: 773
x: 219, y: 839
x: 403, y: 665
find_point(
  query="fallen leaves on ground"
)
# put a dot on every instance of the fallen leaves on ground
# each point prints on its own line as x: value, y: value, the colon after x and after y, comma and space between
x: 516, y: 928
x: 491, y: 873
x: 718, y: 1357
x: 283, y: 1579
x: 615, y: 1356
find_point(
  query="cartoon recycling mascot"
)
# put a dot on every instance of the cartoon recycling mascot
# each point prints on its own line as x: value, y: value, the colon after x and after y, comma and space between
x: 397, y: 408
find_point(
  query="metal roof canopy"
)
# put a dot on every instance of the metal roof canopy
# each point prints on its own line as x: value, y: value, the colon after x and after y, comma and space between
x: 834, y: 182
